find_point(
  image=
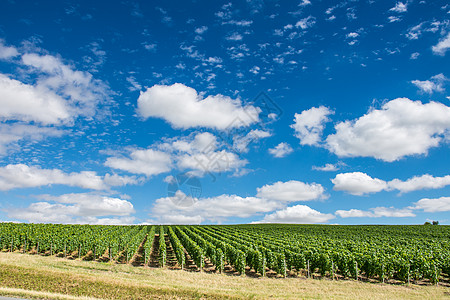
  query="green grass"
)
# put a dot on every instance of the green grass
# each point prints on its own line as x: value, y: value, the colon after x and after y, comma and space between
x: 56, y: 278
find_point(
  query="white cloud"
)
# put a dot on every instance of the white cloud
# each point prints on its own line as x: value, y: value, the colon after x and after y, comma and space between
x: 241, y: 143
x: 306, y: 23
x: 435, y: 84
x: 255, y: 70
x: 89, y: 204
x: 150, y: 47
x: 433, y: 205
x: 130, y: 220
x: 234, y: 37
x: 299, y: 214
x: 353, y: 213
x: 135, y: 86
x: 400, y: 128
x: 216, y: 162
x: 352, y: 35
x: 400, y: 7
x: 309, y: 124
x: 29, y: 103
x: 358, y: 183
x: 46, y: 92
x: 181, y: 219
x: 79, y: 89
x: 182, y: 107
x: 291, y: 191
x: 11, y: 134
x: 415, y: 32
x: 281, y: 150
x: 414, y: 55
x: 305, y: 3
x: 201, y: 30
x: 76, y: 209
x: 118, y: 180
x: 23, y: 176
x: 392, y: 212
x: 419, y: 183
x: 148, y: 162
x: 200, y: 152
x: 219, y: 208
x: 213, y: 209
x: 376, y: 213
x: 7, y: 52
x: 326, y: 168
x: 243, y: 23
x: 393, y: 19
x: 442, y: 47
x: 43, y: 212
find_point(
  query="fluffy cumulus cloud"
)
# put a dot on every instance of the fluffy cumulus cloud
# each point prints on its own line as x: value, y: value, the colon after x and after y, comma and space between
x: 174, y: 219
x: 76, y: 208
x: 203, y: 153
x: 212, y: 209
x: 183, y: 107
x: 28, y: 103
x: 281, y: 150
x: 298, y: 214
x: 187, y: 208
x: 434, y: 84
x: 23, y: 176
x: 7, y: 52
x: 148, y: 162
x: 419, y: 183
x: 81, y: 91
x: 442, y: 46
x: 309, y: 124
x: 358, y: 183
x: 200, y: 152
x: 291, y: 191
x: 433, y: 205
x: 52, y: 94
x: 92, y: 205
x: 401, y: 127
x: 376, y: 213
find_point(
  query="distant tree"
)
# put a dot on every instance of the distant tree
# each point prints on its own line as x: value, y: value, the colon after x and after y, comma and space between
x: 427, y: 223
x: 435, y: 222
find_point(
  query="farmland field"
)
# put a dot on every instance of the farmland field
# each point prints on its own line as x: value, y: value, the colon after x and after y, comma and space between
x: 391, y: 254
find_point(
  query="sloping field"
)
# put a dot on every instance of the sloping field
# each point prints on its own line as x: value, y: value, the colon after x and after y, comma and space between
x: 41, y: 277
x: 385, y: 254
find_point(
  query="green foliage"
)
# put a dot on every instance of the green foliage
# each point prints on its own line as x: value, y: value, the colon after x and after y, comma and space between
x: 380, y: 252
x: 162, y: 247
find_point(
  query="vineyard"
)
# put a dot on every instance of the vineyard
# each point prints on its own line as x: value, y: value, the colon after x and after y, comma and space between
x: 377, y: 253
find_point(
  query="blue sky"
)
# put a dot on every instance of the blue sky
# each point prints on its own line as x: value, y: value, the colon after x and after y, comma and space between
x: 218, y: 112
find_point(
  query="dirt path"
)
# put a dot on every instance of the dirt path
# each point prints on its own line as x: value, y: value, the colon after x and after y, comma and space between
x: 171, y: 258
x: 154, y: 255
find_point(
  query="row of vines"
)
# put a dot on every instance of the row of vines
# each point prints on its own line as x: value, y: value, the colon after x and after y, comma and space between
x: 403, y: 253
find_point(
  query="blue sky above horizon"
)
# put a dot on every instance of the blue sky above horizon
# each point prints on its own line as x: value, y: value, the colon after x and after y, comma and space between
x: 222, y: 112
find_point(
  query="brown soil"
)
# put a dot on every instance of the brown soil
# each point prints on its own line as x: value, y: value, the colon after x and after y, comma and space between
x: 138, y: 258
x: 89, y: 256
x: 171, y: 258
x: 154, y: 254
